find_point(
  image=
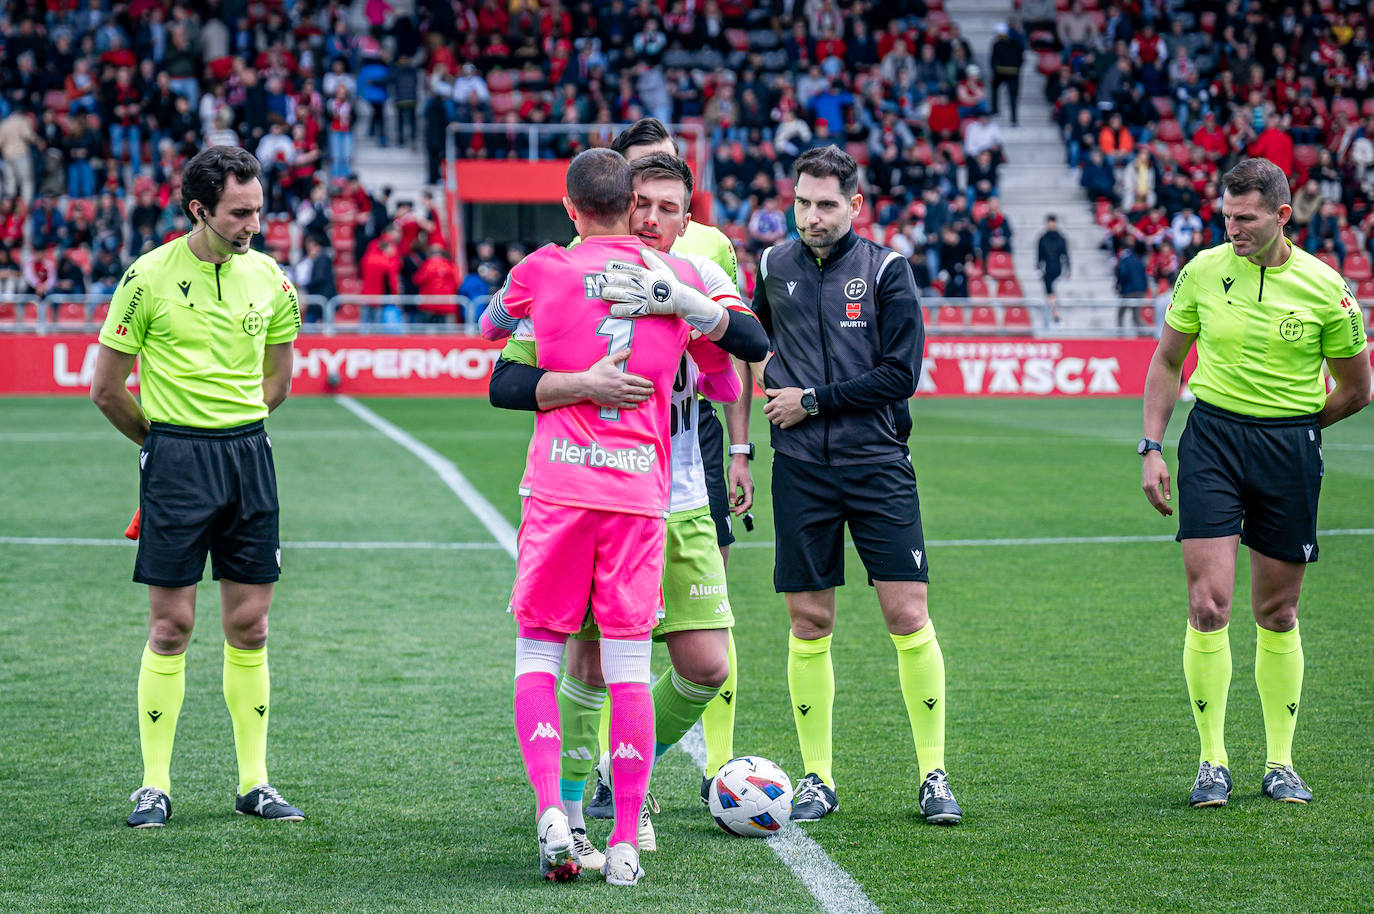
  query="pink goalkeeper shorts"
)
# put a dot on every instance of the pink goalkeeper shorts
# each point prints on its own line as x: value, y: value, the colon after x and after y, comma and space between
x: 572, y: 556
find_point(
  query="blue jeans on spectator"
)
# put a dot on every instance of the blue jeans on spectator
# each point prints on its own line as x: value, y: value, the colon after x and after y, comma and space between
x: 340, y: 153
x: 1075, y: 153
x: 118, y: 135
x: 80, y: 178
x: 187, y: 88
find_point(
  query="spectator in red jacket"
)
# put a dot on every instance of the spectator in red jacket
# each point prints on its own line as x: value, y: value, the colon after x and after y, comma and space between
x: 1211, y: 137
x: 380, y: 269
x: 1274, y: 144
x: 438, y: 276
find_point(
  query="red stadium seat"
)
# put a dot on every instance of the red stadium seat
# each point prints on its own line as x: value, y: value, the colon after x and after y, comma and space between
x: 346, y: 313
x: 1357, y: 268
x: 1048, y: 63
x: 276, y: 231
x: 503, y: 103
x: 979, y: 210
x: 345, y: 270
x: 955, y: 150
x: 950, y: 316
x: 1329, y: 259
x: 1182, y: 153
x: 101, y: 310
x: 978, y: 288
x: 1351, y: 239
x: 501, y: 81
x: 1208, y: 21
x: 1147, y: 315
x: 1103, y: 210
x: 1016, y: 318
x: 1163, y: 105
x: 1169, y: 131
x: 859, y: 151
x: 1305, y: 156
x: 1000, y: 265
x: 974, y: 269
x: 83, y: 207
x: 984, y: 318
x: 1347, y: 106
x: 1009, y: 287
x: 81, y: 257
x: 71, y: 313
x: 350, y: 286
x: 738, y: 39
x: 786, y: 189
x: 1364, y: 291
x: 8, y: 312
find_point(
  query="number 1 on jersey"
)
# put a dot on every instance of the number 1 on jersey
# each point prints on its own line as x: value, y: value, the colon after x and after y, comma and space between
x: 620, y: 331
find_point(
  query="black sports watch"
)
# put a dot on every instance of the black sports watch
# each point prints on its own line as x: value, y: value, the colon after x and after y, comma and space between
x: 1148, y: 444
x: 745, y: 449
x: 808, y: 401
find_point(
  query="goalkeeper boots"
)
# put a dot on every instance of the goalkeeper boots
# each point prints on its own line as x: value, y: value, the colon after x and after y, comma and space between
x: 152, y: 808
x: 813, y: 800
x: 1213, y: 786
x: 1282, y: 783
x: 622, y: 865
x: 263, y: 800
x: 556, y: 860
x: 937, y: 801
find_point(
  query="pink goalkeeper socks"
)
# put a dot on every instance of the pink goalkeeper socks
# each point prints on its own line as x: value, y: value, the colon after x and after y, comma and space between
x: 632, y: 755
x: 539, y: 734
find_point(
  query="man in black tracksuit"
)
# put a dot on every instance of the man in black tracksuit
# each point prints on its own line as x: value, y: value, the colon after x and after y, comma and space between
x: 845, y: 323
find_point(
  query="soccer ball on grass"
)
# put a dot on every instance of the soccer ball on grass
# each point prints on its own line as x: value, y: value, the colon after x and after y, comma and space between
x: 750, y: 797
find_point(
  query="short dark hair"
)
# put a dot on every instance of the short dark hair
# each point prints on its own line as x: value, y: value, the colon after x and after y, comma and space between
x: 662, y: 165
x: 830, y: 162
x: 644, y: 132
x: 205, y: 175
x: 1260, y: 175
x: 599, y: 185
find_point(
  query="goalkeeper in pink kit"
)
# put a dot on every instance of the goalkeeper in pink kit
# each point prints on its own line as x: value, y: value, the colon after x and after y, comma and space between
x: 597, y: 490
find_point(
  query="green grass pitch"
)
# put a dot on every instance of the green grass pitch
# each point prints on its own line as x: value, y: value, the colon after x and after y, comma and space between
x: 1070, y: 742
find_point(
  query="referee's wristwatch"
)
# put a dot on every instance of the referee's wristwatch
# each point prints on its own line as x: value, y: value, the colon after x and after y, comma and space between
x: 808, y: 402
x: 1148, y: 444
x: 745, y: 449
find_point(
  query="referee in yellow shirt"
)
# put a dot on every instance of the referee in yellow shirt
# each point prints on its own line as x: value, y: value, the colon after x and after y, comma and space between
x: 1264, y: 314
x: 214, y: 323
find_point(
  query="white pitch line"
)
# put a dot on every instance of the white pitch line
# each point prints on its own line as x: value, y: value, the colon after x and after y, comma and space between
x: 497, y: 525
x: 833, y: 888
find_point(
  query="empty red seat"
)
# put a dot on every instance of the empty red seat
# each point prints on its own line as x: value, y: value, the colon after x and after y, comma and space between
x: 1169, y: 131
x: 1364, y: 291
x: 1330, y: 259
x: 9, y: 312
x: 1000, y: 265
x: 1008, y: 287
x: 346, y: 313
x: 950, y: 316
x: 71, y: 312
x: 1016, y: 318
x: 1347, y: 106
x: 983, y: 317
x: 1357, y: 268
x: 859, y: 151
x: 351, y: 285
x: 101, y: 310
x: 978, y: 288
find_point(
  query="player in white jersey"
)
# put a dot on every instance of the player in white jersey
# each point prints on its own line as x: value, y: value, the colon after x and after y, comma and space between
x: 697, y: 615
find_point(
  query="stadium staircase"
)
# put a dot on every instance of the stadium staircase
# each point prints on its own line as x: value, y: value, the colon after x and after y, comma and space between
x: 401, y: 168
x: 1036, y: 179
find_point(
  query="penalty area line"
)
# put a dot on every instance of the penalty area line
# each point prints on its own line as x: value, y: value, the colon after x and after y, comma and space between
x: 496, y: 525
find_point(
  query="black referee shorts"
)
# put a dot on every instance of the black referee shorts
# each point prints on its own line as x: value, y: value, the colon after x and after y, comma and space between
x: 1259, y: 478
x: 711, y: 437
x: 209, y: 490
x: 813, y: 502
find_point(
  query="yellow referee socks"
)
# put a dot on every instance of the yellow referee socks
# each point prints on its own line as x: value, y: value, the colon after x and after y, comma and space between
x: 718, y: 720
x: 1278, y: 673
x: 921, y: 669
x: 246, y: 691
x: 161, y: 687
x: 1207, y: 667
x: 811, y: 682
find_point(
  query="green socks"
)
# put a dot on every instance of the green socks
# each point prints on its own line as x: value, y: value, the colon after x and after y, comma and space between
x: 1207, y: 667
x: 246, y: 690
x: 811, y: 682
x: 718, y: 720
x: 1278, y: 673
x: 921, y: 669
x: 678, y: 704
x: 161, y: 687
x: 579, y: 710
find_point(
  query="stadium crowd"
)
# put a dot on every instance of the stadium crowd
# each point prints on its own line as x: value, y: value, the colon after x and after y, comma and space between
x: 1153, y: 108
x: 103, y: 104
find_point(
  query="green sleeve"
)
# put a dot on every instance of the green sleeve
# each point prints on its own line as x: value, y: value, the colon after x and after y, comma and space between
x: 726, y: 258
x: 521, y: 350
x: 131, y: 307
x: 1182, y: 313
x: 286, y: 311
x: 1343, y: 333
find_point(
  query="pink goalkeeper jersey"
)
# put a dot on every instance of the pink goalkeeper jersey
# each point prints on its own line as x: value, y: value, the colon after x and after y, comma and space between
x: 583, y: 455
